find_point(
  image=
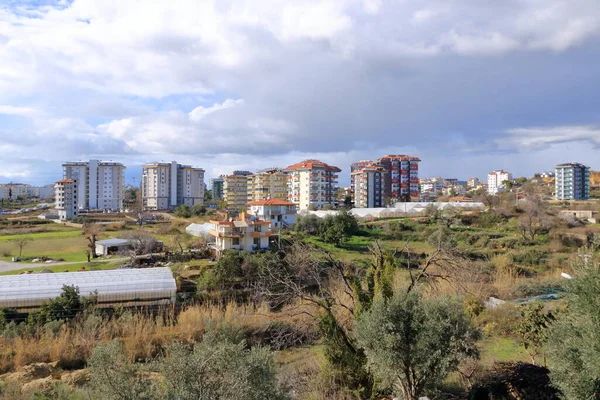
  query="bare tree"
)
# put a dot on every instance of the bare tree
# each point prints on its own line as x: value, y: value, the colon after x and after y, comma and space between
x: 534, y: 219
x: 91, y: 231
x: 21, y: 243
x: 141, y: 242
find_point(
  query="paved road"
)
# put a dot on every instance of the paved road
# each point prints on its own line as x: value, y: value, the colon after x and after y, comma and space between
x: 6, y: 266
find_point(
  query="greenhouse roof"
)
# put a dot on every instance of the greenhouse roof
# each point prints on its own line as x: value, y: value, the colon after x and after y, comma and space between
x: 29, y: 287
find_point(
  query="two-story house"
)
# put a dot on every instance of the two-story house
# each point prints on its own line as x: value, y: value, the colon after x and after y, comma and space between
x: 280, y: 213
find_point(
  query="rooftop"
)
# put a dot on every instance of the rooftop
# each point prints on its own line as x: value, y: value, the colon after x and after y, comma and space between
x: 312, y: 164
x: 66, y: 181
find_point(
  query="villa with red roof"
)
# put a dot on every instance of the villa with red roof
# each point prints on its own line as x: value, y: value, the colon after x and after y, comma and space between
x: 281, y: 213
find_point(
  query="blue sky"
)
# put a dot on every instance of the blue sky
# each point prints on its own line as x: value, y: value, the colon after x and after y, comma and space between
x: 468, y: 86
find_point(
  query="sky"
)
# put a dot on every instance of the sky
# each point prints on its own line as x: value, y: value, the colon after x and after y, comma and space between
x: 468, y: 86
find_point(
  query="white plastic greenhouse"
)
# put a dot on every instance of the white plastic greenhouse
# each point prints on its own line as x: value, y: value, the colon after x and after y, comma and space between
x: 124, y: 287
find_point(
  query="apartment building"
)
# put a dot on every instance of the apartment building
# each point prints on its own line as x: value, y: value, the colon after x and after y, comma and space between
x: 496, y: 179
x: 23, y: 190
x: 355, y: 167
x: 431, y: 185
x: 270, y: 183
x: 247, y: 233
x: 572, y: 182
x: 99, y: 184
x: 312, y: 183
x: 472, y: 182
x: 368, y: 185
x: 216, y: 186
x: 168, y: 185
x: 65, y: 198
x: 402, y: 178
x: 235, y: 190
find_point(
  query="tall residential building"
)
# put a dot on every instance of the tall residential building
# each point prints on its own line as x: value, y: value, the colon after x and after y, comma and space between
x: 496, y: 180
x: 572, y: 182
x: 355, y: 167
x: 216, y: 186
x: 402, y: 178
x: 270, y: 183
x: 312, y: 183
x: 368, y: 182
x: 235, y: 190
x: 99, y: 184
x: 168, y: 185
x: 66, y: 198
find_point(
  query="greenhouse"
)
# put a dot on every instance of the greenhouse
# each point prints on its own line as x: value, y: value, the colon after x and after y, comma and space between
x: 119, y: 287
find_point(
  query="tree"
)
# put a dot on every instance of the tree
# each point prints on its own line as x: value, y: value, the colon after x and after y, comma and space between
x: 216, y: 368
x: 141, y: 242
x: 412, y: 343
x: 534, y: 219
x: 198, y: 210
x: 307, y: 224
x: 533, y: 329
x: 21, y: 243
x: 91, y: 231
x: 66, y: 306
x: 338, y: 228
x: 183, y: 211
x: 573, y: 338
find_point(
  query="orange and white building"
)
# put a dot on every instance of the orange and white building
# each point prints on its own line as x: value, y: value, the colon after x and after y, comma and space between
x: 247, y: 233
x: 280, y: 213
x: 312, y: 183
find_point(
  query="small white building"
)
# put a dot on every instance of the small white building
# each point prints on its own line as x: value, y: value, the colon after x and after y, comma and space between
x: 246, y: 234
x: 280, y: 213
x: 112, y: 246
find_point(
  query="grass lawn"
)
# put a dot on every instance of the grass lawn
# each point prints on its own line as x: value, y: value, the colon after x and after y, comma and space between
x: 501, y: 350
x: 59, y: 245
x: 94, y: 265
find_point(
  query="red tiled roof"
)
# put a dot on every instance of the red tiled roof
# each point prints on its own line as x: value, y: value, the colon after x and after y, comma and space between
x: 271, y: 202
x: 310, y: 164
x: 400, y: 157
x: 65, y: 181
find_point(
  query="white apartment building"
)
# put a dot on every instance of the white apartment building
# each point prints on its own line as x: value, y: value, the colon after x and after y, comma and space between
x: 431, y: 185
x: 312, y: 183
x: 235, y: 189
x: 65, y: 198
x: 168, y: 185
x: 99, y: 184
x: 495, y: 181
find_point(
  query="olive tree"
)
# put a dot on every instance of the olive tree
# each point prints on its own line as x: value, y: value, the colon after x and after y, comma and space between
x: 215, y: 369
x: 574, y: 354
x: 412, y: 344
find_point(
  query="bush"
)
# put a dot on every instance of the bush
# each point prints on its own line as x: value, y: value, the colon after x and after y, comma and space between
x: 532, y: 257
x: 183, y: 211
x: 501, y: 321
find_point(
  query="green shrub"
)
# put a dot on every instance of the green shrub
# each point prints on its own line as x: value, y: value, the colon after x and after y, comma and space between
x: 532, y: 257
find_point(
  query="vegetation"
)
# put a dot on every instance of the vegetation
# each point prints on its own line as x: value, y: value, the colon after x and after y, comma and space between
x: 412, y: 344
x: 323, y: 311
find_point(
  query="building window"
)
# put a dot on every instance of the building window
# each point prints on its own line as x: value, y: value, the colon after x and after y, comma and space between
x: 235, y: 241
x: 257, y: 228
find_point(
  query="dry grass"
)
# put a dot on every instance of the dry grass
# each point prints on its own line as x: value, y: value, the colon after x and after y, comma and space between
x: 144, y: 336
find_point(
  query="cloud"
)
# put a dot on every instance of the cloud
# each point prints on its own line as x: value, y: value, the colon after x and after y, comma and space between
x: 227, y: 83
x: 21, y: 111
x: 523, y: 139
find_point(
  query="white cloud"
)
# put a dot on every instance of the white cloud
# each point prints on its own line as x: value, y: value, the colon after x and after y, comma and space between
x: 22, y: 111
x: 534, y: 138
x: 200, y: 112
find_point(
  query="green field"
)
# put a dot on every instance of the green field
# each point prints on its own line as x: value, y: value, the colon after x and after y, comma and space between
x: 94, y: 265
